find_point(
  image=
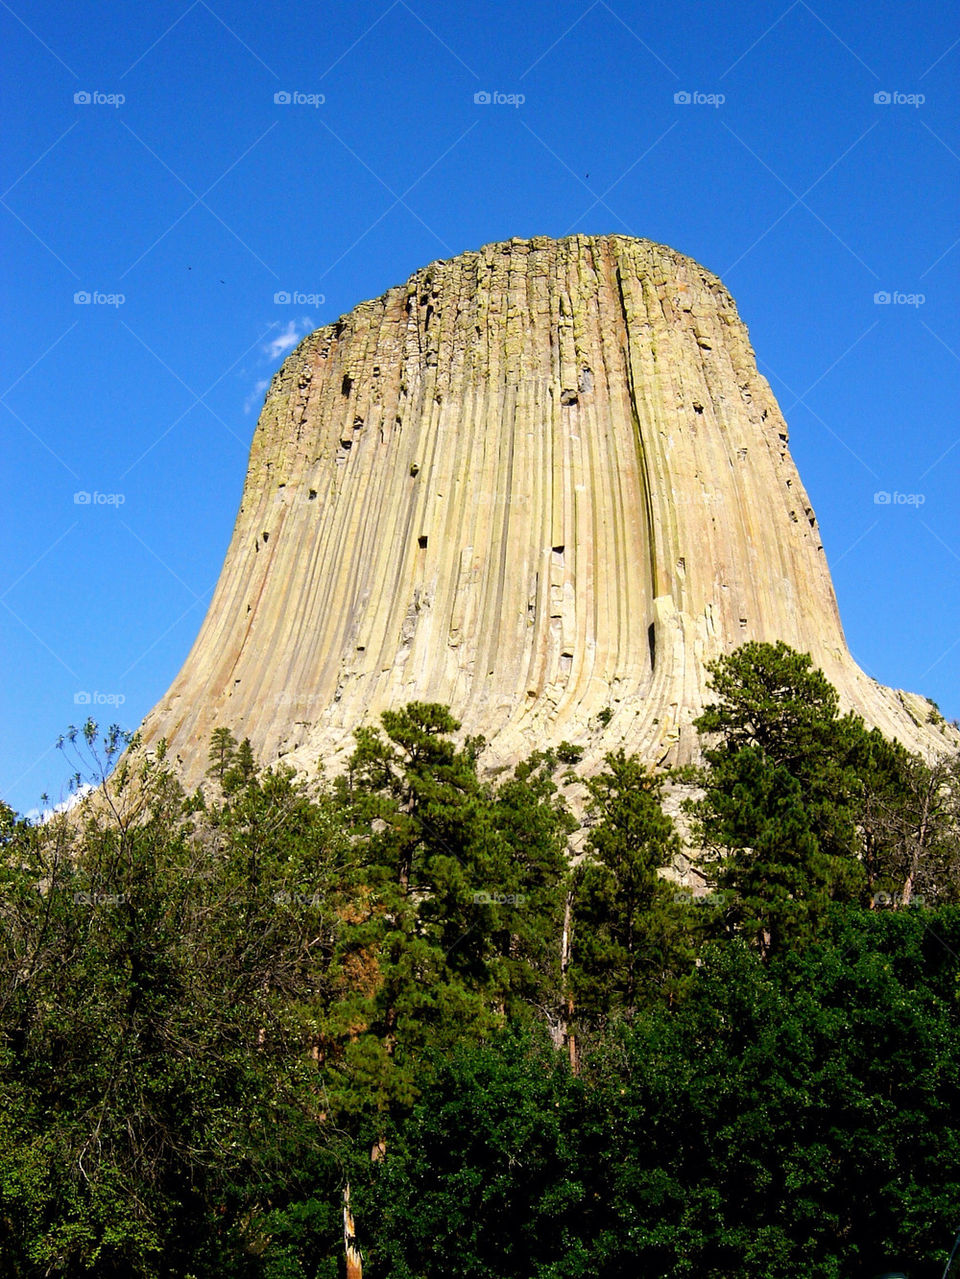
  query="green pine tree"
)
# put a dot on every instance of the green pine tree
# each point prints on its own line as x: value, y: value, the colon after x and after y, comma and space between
x: 782, y: 794
x: 630, y: 942
x: 242, y: 768
x: 456, y: 914
x: 223, y: 749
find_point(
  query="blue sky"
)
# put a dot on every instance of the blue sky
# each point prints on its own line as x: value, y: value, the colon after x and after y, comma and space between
x: 199, y: 197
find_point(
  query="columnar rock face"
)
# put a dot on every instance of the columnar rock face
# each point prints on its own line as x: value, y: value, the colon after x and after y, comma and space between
x: 543, y: 483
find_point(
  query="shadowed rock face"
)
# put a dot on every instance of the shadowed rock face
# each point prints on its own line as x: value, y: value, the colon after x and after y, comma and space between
x: 536, y: 482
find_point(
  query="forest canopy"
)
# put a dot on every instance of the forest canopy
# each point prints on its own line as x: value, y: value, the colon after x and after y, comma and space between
x: 416, y: 1021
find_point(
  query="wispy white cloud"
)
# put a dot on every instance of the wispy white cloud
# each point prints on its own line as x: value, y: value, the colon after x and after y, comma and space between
x: 256, y: 395
x: 40, y: 816
x: 283, y: 342
x: 288, y: 339
x: 279, y: 346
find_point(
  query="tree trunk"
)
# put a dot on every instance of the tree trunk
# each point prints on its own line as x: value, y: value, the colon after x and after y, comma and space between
x: 566, y: 945
x: 932, y: 784
x: 351, y: 1252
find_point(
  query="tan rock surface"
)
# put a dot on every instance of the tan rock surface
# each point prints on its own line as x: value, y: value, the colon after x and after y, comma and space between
x: 535, y: 482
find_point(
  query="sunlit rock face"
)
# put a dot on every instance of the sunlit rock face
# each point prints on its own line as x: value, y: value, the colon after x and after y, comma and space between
x: 542, y: 483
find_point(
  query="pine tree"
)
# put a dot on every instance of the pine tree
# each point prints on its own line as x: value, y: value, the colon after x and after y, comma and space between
x: 457, y: 894
x: 628, y: 945
x: 242, y: 768
x: 782, y: 794
x: 223, y: 749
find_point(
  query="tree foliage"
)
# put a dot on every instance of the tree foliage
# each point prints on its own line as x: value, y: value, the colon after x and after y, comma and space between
x: 628, y: 944
x: 457, y: 890
x: 150, y: 975
x: 781, y: 795
x: 793, y: 1116
x: 217, y: 1011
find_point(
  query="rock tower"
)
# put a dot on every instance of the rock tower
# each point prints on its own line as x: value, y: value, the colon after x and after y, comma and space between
x: 543, y: 483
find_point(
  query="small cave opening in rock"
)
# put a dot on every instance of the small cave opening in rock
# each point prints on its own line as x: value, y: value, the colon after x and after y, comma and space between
x: 312, y: 495
x: 422, y: 541
x: 652, y: 644
x: 346, y: 386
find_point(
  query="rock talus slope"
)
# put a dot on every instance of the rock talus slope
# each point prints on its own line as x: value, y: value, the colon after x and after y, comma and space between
x: 536, y: 482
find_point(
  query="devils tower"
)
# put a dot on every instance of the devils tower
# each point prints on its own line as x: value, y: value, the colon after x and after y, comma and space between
x: 543, y: 483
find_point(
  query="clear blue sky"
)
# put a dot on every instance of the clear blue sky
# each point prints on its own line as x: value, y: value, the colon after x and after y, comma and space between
x: 199, y: 197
